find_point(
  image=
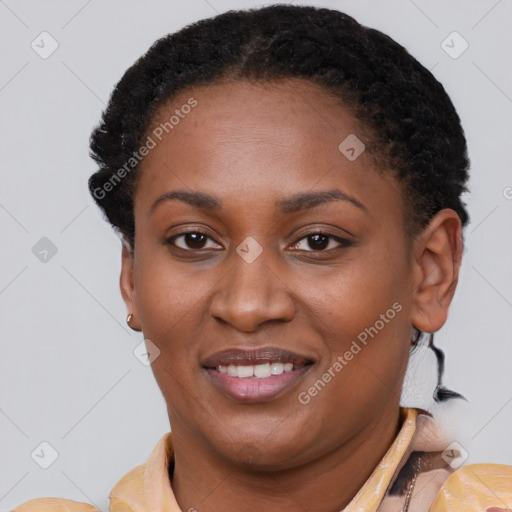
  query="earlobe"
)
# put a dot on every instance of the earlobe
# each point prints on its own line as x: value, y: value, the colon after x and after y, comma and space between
x: 127, y: 286
x: 437, y: 258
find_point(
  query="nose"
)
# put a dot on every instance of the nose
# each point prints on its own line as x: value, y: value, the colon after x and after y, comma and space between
x: 252, y: 294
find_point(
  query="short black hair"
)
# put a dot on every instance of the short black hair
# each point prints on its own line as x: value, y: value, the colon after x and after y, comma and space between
x: 412, y: 126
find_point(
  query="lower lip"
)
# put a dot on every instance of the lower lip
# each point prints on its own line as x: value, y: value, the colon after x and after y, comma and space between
x: 256, y: 390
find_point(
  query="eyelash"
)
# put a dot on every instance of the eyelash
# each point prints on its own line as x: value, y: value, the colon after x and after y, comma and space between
x: 343, y: 242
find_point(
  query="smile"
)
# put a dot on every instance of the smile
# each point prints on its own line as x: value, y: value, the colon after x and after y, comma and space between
x: 258, y: 371
x: 258, y: 375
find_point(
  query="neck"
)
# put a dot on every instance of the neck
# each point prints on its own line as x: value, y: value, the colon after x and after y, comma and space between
x: 205, y: 483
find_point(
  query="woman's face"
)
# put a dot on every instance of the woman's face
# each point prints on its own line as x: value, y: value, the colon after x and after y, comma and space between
x: 297, y: 258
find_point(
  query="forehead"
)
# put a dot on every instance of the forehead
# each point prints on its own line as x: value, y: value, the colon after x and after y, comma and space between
x: 288, y: 114
x: 260, y: 138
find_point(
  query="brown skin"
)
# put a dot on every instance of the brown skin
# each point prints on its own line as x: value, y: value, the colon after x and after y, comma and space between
x: 251, y: 146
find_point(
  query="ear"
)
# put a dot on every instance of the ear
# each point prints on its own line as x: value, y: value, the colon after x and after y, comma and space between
x: 437, y: 260
x: 127, y: 287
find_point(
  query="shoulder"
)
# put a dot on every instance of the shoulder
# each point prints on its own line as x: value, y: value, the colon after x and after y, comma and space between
x: 54, y: 505
x: 128, y: 495
x: 474, y: 488
x: 148, y: 481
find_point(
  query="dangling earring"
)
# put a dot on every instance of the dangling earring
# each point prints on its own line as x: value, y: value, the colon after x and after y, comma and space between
x: 441, y: 394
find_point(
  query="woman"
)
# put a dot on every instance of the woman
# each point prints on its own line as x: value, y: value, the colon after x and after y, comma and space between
x: 287, y: 184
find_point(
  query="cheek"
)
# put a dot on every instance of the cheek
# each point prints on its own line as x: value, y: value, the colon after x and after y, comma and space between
x: 365, y: 326
x: 365, y: 291
x: 171, y: 305
x: 168, y: 296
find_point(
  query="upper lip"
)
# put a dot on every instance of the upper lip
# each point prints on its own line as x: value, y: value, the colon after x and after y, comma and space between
x: 248, y: 357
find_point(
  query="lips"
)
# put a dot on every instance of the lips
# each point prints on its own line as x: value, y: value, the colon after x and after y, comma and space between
x: 254, y: 357
x: 255, y: 375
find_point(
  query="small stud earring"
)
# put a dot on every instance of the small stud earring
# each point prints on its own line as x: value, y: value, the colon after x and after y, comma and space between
x: 129, y: 318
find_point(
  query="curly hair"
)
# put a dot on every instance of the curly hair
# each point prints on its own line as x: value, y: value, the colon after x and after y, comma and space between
x: 412, y: 126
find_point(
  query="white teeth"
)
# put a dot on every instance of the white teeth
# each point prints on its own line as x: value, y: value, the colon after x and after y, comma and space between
x: 262, y: 371
x: 277, y: 368
x: 258, y: 371
x: 245, y: 371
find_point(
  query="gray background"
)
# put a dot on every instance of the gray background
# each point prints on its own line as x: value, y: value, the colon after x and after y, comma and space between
x: 68, y: 373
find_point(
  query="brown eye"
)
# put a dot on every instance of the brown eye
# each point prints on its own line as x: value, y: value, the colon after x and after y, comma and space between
x: 195, y: 240
x: 190, y: 240
x: 319, y: 242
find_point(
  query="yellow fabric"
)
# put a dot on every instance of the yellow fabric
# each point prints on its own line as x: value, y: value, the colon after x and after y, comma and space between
x: 54, y: 505
x: 474, y: 488
x: 146, y: 488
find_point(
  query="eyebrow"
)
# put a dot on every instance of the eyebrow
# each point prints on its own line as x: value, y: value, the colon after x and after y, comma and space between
x: 291, y: 204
